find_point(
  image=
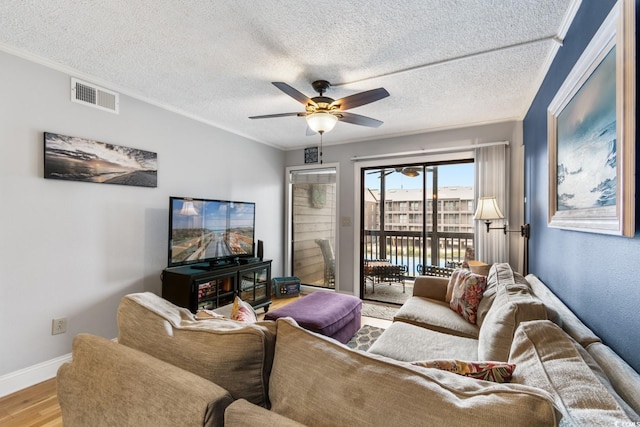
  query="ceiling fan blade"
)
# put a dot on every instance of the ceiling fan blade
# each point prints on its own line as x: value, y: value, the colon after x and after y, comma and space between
x: 292, y: 92
x: 362, y: 98
x: 381, y: 172
x: 270, y: 116
x: 357, y: 119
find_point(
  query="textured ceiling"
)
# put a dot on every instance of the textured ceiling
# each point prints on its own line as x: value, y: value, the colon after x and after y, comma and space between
x: 445, y: 63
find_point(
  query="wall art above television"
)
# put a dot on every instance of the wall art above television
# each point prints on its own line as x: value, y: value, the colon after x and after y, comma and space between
x: 78, y: 159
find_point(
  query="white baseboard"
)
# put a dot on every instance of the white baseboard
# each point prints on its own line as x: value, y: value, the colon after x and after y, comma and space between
x: 18, y: 380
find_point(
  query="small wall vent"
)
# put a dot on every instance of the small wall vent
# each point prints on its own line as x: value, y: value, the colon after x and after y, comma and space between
x: 94, y: 96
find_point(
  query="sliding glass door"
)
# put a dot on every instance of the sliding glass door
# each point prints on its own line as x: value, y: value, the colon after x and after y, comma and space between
x: 416, y: 219
x: 312, y: 225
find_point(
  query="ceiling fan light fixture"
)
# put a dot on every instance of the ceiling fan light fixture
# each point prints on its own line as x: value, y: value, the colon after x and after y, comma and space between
x: 321, y: 121
x: 411, y: 172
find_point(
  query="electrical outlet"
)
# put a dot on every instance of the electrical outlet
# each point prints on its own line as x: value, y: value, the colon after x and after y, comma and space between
x: 59, y: 326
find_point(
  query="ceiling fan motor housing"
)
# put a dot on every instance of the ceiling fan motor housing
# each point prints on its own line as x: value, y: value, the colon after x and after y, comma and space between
x: 320, y: 103
x: 321, y: 86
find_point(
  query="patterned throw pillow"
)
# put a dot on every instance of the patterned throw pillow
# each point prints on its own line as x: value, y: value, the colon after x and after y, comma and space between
x: 241, y: 312
x: 499, y: 372
x: 467, y: 293
x: 452, y: 282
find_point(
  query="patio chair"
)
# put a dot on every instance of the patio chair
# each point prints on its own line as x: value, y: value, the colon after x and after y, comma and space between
x: 434, y: 270
x: 381, y: 270
x: 329, y: 261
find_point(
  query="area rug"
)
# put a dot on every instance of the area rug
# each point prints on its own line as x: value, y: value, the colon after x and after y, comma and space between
x: 389, y: 292
x: 365, y: 337
x: 378, y: 311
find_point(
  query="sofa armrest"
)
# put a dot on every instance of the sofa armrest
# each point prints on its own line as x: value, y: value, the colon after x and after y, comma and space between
x: 109, y: 384
x: 242, y: 413
x: 430, y: 287
x: 149, y: 323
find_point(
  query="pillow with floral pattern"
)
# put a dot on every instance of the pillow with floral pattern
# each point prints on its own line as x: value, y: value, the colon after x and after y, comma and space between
x: 242, y: 312
x: 499, y: 372
x: 467, y: 293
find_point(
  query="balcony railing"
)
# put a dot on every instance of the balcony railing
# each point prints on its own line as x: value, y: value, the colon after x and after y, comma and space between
x: 415, y: 251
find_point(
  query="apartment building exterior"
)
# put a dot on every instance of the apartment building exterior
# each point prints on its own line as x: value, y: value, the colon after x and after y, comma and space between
x: 403, y: 210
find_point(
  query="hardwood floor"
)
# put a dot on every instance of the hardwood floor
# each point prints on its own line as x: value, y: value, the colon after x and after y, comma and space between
x: 33, y: 406
x: 37, y: 406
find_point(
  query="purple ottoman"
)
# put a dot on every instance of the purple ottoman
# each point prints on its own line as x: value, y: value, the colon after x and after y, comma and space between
x: 327, y: 313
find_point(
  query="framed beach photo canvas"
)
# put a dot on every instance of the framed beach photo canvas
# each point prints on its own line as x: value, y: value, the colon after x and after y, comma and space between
x: 79, y: 159
x: 592, y: 136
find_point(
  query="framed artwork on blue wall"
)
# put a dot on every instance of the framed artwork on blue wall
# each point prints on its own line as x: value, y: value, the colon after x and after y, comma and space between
x: 591, y: 135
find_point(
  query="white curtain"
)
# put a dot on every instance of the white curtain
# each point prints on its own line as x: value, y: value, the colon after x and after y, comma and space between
x: 492, y: 181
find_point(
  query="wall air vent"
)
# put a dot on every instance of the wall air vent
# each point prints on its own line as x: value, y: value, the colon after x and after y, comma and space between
x: 94, y: 96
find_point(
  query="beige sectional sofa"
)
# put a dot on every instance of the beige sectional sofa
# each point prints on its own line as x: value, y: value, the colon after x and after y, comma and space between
x: 426, y: 327
x: 520, y: 321
x: 278, y: 374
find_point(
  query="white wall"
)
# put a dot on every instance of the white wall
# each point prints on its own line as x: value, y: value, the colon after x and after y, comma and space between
x: 350, y: 197
x: 73, y: 249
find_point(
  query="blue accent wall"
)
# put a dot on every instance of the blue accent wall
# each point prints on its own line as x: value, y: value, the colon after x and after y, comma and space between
x: 597, y: 276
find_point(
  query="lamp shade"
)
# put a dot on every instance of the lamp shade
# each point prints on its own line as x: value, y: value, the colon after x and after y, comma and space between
x: 488, y: 209
x: 321, y: 121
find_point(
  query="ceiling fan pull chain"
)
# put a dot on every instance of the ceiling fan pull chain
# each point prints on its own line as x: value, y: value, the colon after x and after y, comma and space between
x: 321, y: 147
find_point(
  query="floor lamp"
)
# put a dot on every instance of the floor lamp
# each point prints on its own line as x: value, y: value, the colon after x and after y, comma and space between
x: 488, y: 211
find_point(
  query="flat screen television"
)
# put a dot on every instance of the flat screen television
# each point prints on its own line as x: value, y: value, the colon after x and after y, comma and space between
x: 210, y: 231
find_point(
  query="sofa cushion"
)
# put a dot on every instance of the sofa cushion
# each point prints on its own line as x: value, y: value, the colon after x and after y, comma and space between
x: 615, y: 373
x: 317, y: 381
x: 403, y: 341
x: 109, y: 384
x: 431, y: 287
x: 513, y: 304
x: 466, y: 294
x: 245, y: 414
x: 234, y: 355
x: 561, y: 315
x: 499, y: 274
x: 436, y: 315
x: 547, y: 358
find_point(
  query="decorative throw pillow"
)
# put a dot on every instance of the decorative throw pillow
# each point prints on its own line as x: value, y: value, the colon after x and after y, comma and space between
x: 499, y: 372
x: 241, y: 312
x: 452, y: 282
x: 467, y: 293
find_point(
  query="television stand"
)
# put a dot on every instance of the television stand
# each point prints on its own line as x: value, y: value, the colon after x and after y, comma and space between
x: 199, y: 286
